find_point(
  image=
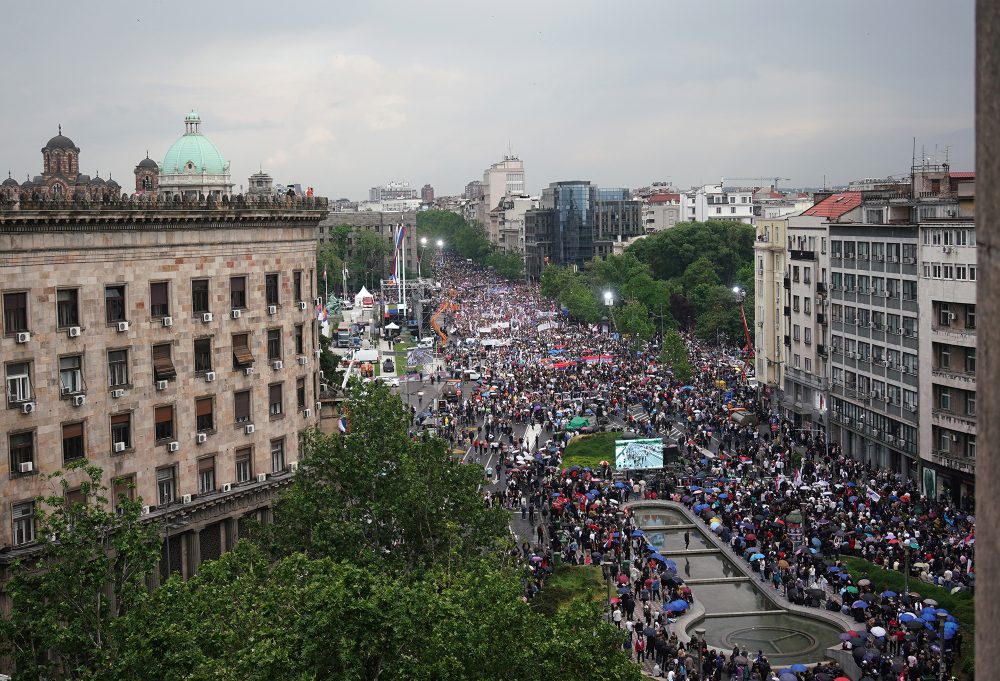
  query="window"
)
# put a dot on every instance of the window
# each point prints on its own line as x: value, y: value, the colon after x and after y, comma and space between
x: 242, y: 357
x: 836, y: 248
x: 806, y: 275
x: 862, y: 250
x: 24, y: 523
x: 22, y: 450
x: 19, y: 382
x: 238, y: 293
x: 836, y: 280
x: 202, y: 355
x: 807, y: 335
x: 199, y: 296
x: 970, y: 446
x: 970, y: 316
x: 944, y: 314
x: 297, y: 285
x: 970, y: 360
x: 299, y: 344
x: 274, y: 399
x: 795, y: 303
x: 808, y: 366
x: 733, y: 210
x: 244, y: 464
x: 864, y: 283
x: 206, y: 475
x: 166, y: 485
x: 71, y: 375
x: 114, y: 303
x: 848, y: 282
x: 718, y: 211
x: 795, y: 332
x: 944, y: 357
x: 273, y: 344
x: 970, y: 404
x: 241, y: 406
x: 277, y: 455
x: 15, y: 312
x: 795, y: 273
x: 944, y: 398
x: 944, y: 441
x: 910, y: 326
x: 164, y: 422
x: 849, y: 250
x: 300, y: 392
x: 159, y: 294
x: 121, y: 430
x: 72, y: 441
x: 797, y: 361
x: 807, y: 305
x: 122, y: 490
x: 271, y: 288
x: 67, y: 307
x: 117, y: 368
x: 204, y: 410
x: 163, y: 366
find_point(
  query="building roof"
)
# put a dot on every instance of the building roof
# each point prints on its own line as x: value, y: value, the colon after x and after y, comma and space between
x: 963, y: 175
x: 835, y: 205
x: 147, y: 163
x: 60, y: 141
x: 196, y: 149
x: 664, y: 198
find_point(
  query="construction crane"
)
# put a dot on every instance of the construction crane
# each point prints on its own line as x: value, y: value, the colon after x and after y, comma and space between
x: 774, y: 180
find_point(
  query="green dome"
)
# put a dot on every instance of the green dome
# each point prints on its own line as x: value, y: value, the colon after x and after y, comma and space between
x: 194, y: 149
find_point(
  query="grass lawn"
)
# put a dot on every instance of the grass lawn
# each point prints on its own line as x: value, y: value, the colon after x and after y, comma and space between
x: 567, y: 584
x: 961, y: 605
x: 590, y: 450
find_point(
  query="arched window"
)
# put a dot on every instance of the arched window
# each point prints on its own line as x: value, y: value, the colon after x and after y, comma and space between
x: 146, y: 183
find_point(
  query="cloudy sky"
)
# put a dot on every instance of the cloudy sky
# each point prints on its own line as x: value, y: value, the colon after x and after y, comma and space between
x: 344, y: 95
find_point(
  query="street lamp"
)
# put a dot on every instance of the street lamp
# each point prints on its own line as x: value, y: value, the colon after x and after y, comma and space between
x: 420, y: 255
x: 609, y: 298
x: 700, y: 634
x: 440, y: 245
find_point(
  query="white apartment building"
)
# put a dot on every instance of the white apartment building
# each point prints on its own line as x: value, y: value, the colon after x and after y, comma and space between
x: 712, y: 202
x: 507, y: 221
x: 770, y: 257
x: 500, y: 179
x: 661, y: 211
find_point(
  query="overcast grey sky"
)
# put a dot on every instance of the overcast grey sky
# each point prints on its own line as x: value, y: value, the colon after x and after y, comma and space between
x: 345, y: 95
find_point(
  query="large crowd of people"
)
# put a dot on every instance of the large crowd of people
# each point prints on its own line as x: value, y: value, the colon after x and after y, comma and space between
x: 788, y: 502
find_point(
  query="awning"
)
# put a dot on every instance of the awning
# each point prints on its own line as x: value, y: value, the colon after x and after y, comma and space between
x: 241, y: 352
x: 163, y: 368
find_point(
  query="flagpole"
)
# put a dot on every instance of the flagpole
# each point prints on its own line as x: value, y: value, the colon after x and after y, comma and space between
x: 402, y: 264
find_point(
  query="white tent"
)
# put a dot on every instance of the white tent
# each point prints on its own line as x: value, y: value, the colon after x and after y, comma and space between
x: 361, y: 298
x: 392, y: 326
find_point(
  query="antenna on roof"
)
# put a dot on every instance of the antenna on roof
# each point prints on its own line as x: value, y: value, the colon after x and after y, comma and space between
x: 60, y: 128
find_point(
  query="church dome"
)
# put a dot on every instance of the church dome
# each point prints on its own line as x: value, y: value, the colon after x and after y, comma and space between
x: 60, y: 141
x: 148, y: 163
x: 10, y: 182
x: 193, y: 153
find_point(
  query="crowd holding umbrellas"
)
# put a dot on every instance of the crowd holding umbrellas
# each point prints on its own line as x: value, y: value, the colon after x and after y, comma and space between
x: 791, y: 505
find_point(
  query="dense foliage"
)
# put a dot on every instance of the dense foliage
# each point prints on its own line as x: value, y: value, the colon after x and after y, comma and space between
x: 468, y: 240
x: 383, y: 562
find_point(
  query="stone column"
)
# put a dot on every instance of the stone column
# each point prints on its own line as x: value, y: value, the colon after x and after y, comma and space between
x: 988, y: 335
x: 192, y: 543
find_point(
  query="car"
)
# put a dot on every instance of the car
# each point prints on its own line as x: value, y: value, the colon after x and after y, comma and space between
x: 425, y: 343
x: 391, y: 381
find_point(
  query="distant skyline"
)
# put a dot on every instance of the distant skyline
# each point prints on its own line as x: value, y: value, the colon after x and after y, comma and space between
x: 345, y: 96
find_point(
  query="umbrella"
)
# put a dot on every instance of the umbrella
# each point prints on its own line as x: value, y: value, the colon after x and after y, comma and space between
x: 623, y: 579
x: 864, y: 582
x: 615, y: 601
x: 649, y: 631
x: 783, y: 564
x: 907, y: 617
x: 756, y: 556
x: 889, y: 594
x: 536, y: 559
x: 637, y: 533
x: 815, y: 592
x: 931, y: 602
x: 679, y: 605
x: 869, y: 597
x: 788, y: 676
x: 841, y: 678
x: 622, y: 590
x: 859, y: 604
x: 798, y: 668
x: 741, y: 660
x: 833, y: 568
x: 851, y: 589
x: 847, y: 636
x: 878, y: 632
x: 914, y: 624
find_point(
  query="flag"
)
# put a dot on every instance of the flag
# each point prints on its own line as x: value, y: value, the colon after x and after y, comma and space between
x: 342, y: 424
x: 798, y: 478
x: 874, y: 496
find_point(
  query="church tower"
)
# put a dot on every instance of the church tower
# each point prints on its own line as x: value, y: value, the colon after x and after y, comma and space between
x: 147, y: 176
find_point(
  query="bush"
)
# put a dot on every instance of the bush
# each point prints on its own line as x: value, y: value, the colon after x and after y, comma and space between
x: 590, y: 450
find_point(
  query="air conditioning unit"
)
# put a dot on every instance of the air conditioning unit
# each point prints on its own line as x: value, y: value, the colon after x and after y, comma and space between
x: 25, y: 467
x: 79, y: 400
x: 302, y: 304
x: 874, y: 433
x: 173, y: 446
x: 272, y: 309
x: 851, y: 355
x: 28, y: 408
x: 293, y: 466
x: 227, y: 487
x: 318, y: 353
x: 117, y: 392
x: 147, y: 509
x: 118, y: 447
x: 303, y: 361
x: 248, y: 371
x: 885, y: 362
x: 946, y: 249
x: 857, y: 321
x: 890, y: 438
x: 277, y: 365
x: 186, y: 499
x: 887, y: 294
x: 248, y: 429
x: 202, y: 438
x: 951, y: 317
x: 206, y: 317
x: 161, y: 385
x: 899, y: 331
x: 307, y: 412
x: 319, y: 406
x: 871, y: 325
x: 911, y: 407
x: 873, y: 393
x: 209, y: 376
x: 168, y: 321
x: 23, y: 337
x: 878, y: 258
x: 262, y: 477
x: 122, y: 327
x: 237, y: 314
x: 954, y: 438
x: 74, y: 331
x: 65, y: 390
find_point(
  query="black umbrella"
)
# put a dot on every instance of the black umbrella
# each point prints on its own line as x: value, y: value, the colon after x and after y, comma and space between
x: 869, y: 597
x: 649, y: 631
x: 914, y: 624
x: 898, y: 664
x: 858, y: 653
x: 815, y: 592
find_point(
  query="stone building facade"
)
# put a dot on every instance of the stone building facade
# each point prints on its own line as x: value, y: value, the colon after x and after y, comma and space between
x: 173, y: 345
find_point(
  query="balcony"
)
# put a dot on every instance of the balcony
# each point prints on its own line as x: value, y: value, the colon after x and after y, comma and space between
x: 821, y: 318
x: 788, y: 341
x: 787, y: 311
x: 821, y: 288
x: 821, y: 350
x: 803, y: 255
x: 787, y: 282
x: 958, y: 463
x: 953, y: 421
x: 968, y: 379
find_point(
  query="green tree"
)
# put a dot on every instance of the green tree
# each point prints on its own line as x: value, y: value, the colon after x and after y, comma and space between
x: 379, y: 497
x: 370, y: 253
x: 633, y: 321
x: 328, y: 261
x: 67, y: 599
x: 508, y: 265
x: 675, y: 354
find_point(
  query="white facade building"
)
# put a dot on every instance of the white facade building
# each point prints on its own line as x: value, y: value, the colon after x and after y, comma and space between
x: 507, y: 221
x: 500, y: 179
x: 713, y: 202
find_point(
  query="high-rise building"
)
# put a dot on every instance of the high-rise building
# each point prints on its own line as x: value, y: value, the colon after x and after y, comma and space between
x: 392, y: 191
x: 577, y: 220
x: 501, y: 178
x: 771, y: 298
x: 427, y: 194
x: 177, y: 355
x: 714, y: 202
x: 507, y: 221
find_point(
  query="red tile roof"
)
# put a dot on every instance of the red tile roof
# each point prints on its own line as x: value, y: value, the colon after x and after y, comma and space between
x: 964, y: 175
x: 664, y: 198
x: 836, y: 205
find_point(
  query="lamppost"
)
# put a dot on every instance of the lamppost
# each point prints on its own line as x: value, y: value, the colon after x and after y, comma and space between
x: 420, y: 255
x: 700, y: 634
x: 609, y: 302
x: 440, y: 245
x: 941, y: 619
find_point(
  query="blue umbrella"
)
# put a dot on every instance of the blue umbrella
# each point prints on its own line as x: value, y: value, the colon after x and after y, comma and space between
x: 852, y: 499
x: 658, y: 557
x: 638, y: 533
x: 907, y: 617
x: 650, y: 547
x: 941, y: 611
x: 788, y: 676
x: 619, y: 485
x: 679, y: 605
x: 833, y: 568
x: 670, y: 564
x: 694, y: 488
x: 757, y: 556
x: 859, y: 604
x: 889, y: 594
x: 928, y: 616
x: 622, y: 590
x: 816, y: 542
x: 724, y: 495
x: 798, y: 668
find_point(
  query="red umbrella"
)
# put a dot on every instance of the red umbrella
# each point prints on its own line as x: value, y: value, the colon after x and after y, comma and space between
x: 751, y: 537
x: 623, y: 579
